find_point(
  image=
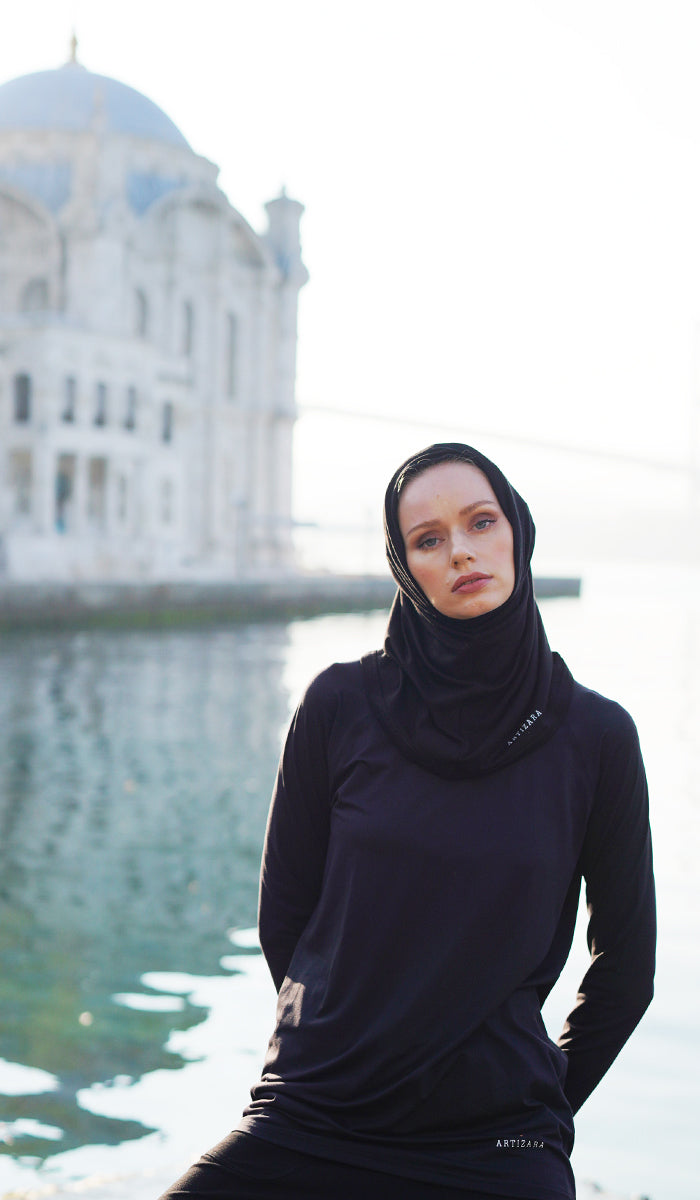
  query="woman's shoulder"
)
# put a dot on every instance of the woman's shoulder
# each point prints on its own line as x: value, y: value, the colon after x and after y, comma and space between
x: 329, y: 699
x: 606, y: 740
x: 600, y: 716
x: 333, y: 684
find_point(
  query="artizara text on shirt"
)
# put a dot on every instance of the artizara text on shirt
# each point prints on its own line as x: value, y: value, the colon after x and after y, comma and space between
x: 519, y: 1143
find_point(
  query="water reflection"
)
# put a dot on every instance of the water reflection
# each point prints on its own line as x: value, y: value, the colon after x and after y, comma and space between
x: 135, y: 772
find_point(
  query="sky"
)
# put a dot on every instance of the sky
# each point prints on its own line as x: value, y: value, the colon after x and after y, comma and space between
x: 502, y: 217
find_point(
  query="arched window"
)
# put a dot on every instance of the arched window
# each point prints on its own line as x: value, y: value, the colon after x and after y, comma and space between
x: 70, y: 391
x: 130, y: 414
x: 187, y: 329
x: 231, y: 366
x: 140, y: 313
x: 35, y: 296
x: 168, y: 420
x: 64, y: 486
x: 97, y: 492
x: 101, y: 404
x: 23, y: 398
x: 21, y: 480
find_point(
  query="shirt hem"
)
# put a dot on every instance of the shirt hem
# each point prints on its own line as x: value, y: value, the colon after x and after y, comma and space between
x: 395, y: 1162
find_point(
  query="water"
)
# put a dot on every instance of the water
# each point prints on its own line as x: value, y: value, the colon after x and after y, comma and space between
x: 135, y: 771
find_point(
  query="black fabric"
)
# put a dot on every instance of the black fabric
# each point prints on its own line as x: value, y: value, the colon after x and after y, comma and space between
x: 242, y: 1167
x: 414, y: 926
x: 435, y: 809
x: 465, y: 697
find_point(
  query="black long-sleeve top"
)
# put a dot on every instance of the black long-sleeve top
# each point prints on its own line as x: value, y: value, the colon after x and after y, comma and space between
x: 414, y: 926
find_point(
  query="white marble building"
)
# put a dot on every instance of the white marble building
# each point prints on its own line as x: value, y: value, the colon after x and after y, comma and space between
x: 147, y: 346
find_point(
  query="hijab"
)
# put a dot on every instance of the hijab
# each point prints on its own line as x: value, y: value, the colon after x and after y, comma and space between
x: 465, y: 697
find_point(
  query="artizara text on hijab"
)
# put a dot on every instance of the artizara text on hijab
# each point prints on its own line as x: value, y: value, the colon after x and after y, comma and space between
x: 525, y: 726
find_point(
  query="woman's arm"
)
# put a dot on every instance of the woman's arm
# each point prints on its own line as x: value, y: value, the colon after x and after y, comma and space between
x: 296, y: 839
x: 617, y: 867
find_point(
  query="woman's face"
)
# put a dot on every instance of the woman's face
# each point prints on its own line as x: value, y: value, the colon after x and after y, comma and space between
x: 459, y: 543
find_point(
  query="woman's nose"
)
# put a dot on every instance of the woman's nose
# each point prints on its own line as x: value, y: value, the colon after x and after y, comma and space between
x: 461, y: 550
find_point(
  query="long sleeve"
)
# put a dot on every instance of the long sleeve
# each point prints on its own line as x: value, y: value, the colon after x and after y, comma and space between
x: 617, y: 867
x: 297, y: 832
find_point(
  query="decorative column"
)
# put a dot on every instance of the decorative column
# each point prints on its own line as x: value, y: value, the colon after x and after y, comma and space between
x: 284, y: 216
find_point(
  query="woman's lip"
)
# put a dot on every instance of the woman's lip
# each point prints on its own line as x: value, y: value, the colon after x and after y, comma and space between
x: 470, y: 583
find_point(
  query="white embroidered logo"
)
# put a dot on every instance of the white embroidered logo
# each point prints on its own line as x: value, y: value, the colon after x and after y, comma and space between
x: 525, y: 725
x: 520, y: 1143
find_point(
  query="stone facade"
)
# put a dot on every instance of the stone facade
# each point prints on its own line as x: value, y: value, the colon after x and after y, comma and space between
x: 147, y: 347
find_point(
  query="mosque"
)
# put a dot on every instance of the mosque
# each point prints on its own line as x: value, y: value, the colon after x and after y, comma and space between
x: 147, y: 347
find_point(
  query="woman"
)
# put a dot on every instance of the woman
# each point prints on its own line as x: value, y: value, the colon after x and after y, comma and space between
x: 436, y: 806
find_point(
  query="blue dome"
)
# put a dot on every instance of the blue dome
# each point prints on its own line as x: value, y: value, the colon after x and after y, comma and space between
x: 71, y: 97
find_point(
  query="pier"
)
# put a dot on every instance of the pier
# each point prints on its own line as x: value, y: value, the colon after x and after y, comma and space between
x: 286, y: 597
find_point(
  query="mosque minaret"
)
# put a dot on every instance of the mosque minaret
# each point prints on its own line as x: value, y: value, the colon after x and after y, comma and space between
x: 147, y: 346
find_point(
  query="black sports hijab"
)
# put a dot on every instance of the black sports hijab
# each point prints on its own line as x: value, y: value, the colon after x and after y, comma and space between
x: 465, y: 697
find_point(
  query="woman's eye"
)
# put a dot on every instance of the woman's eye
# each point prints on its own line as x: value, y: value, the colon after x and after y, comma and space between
x: 484, y: 522
x: 428, y: 543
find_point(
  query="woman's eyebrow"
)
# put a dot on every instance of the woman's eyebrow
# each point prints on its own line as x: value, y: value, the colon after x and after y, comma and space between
x: 462, y: 512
